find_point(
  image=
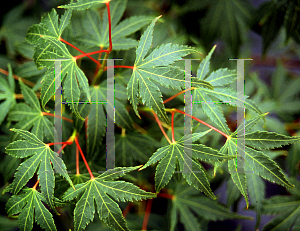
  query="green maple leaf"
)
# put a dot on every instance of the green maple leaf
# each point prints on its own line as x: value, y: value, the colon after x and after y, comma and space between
x: 286, y: 207
x: 101, y: 191
x: 31, y: 117
x: 98, y: 31
x: 168, y: 155
x: 48, y: 49
x: 256, y: 160
x: 39, y: 158
x: 7, y: 93
x: 29, y: 206
x: 155, y: 67
x: 186, y: 203
x: 83, y: 4
x: 226, y: 19
x: 218, y: 79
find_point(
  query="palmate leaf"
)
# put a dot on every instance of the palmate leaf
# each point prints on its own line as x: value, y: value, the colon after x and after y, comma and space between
x: 155, y: 67
x: 225, y: 19
x: 48, y: 48
x: 98, y: 36
x: 289, y: 209
x: 7, y: 93
x: 39, y: 156
x: 102, y: 191
x: 31, y: 117
x: 257, y: 161
x: 83, y: 4
x: 187, y: 203
x: 29, y: 206
x: 195, y: 175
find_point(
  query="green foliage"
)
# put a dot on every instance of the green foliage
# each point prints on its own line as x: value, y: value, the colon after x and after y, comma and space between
x: 64, y: 192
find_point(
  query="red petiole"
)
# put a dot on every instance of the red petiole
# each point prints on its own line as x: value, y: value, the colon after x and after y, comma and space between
x: 166, y: 195
x: 84, y: 160
x: 200, y: 121
x: 172, y: 122
x: 36, y: 184
x: 147, y: 214
x: 118, y: 66
x: 66, y: 42
x: 109, y: 26
x: 64, y: 118
x: 161, y: 128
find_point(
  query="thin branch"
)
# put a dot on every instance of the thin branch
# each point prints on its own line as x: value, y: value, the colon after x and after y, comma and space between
x: 21, y: 96
x: 31, y: 84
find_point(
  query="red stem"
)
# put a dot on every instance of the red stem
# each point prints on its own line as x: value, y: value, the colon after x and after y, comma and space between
x: 172, y: 121
x: 66, y: 143
x: 174, y: 96
x: 77, y: 161
x: 147, y: 214
x: 36, y: 184
x: 109, y: 26
x: 64, y: 118
x: 127, y: 209
x: 200, y: 121
x: 84, y: 160
x: 62, y: 148
x: 161, y: 128
x: 91, y: 53
x: 118, y: 66
x: 94, y: 60
x: 166, y: 195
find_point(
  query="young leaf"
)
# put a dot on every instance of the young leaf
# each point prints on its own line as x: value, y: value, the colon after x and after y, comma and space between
x: 7, y: 93
x: 31, y: 116
x: 102, y: 191
x: 39, y: 156
x: 29, y: 206
x: 155, y: 67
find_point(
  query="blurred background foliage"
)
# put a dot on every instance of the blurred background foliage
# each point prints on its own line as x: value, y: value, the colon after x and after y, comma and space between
x: 266, y: 31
